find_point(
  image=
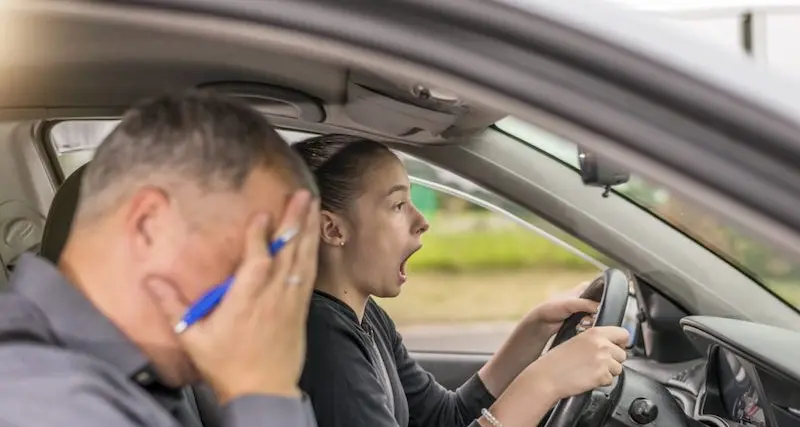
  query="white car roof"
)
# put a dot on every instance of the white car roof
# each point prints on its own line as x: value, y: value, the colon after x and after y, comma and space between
x: 704, y: 5
x: 649, y: 36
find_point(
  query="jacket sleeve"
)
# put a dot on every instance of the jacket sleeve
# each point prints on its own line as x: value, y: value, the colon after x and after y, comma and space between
x: 429, y: 403
x: 265, y: 410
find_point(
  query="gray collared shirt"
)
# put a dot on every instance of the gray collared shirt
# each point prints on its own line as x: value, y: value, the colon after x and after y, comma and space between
x: 62, y: 363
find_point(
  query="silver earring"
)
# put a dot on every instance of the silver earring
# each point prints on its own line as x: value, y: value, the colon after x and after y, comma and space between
x: 341, y: 243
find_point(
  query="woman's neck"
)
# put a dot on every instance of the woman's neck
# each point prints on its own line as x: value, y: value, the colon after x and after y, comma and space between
x: 344, y: 289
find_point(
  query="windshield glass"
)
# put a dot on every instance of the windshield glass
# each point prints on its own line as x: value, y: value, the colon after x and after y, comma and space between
x: 761, y: 262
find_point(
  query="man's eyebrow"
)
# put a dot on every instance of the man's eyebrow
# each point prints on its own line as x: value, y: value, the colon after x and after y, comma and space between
x: 398, y: 187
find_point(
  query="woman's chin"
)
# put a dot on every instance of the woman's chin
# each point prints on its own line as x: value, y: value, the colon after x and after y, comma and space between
x: 389, y: 291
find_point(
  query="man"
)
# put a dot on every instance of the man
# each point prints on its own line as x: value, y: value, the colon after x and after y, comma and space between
x: 185, y: 192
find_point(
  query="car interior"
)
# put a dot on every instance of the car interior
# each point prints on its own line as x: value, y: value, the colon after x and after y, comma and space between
x: 712, y: 346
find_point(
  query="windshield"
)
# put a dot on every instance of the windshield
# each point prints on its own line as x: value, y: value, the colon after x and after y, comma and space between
x: 761, y: 262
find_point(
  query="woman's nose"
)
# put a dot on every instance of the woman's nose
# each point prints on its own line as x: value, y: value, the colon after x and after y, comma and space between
x: 422, y: 225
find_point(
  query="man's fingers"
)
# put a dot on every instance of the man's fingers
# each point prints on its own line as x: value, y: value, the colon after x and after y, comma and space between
x: 256, y: 238
x: 294, y: 215
x: 167, y: 299
x: 305, y: 266
x: 293, y: 228
x: 251, y: 276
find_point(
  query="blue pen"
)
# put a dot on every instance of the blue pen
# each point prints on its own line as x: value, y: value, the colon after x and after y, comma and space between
x: 210, y: 299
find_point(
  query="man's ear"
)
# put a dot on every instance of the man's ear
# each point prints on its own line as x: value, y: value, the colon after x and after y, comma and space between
x: 332, y: 228
x: 146, y: 219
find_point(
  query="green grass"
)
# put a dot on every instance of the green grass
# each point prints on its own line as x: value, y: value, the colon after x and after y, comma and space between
x: 492, y: 250
x: 474, y: 268
x: 477, y: 297
x: 499, y: 296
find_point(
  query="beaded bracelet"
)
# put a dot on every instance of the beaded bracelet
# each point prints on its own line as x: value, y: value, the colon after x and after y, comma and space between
x: 491, y: 418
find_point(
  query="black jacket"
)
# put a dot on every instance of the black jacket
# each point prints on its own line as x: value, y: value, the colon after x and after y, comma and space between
x: 362, y: 375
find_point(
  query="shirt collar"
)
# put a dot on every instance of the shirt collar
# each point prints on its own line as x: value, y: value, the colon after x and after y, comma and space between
x: 74, y: 321
x: 340, y: 305
x: 345, y: 309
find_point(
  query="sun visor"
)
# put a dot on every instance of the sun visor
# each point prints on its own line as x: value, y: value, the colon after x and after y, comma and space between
x: 408, y: 109
x: 391, y: 116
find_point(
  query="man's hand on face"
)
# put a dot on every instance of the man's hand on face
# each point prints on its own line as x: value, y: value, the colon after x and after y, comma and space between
x: 254, y: 341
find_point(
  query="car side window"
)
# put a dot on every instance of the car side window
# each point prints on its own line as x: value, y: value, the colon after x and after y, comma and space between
x: 73, y: 142
x: 483, y: 266
x: 485, y: 261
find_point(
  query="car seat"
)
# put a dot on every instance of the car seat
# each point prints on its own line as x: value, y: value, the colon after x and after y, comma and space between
x: 59, y: 218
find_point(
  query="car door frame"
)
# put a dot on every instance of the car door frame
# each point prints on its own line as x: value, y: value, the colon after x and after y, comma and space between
x: 711, y: 126
x: 720, y: 131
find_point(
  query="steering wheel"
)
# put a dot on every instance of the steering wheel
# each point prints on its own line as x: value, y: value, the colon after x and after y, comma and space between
x: 611, y: 291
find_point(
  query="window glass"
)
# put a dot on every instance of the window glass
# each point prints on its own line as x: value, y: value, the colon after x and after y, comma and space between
x: 480, y: 270
x: 760, y: 261
x: 484, y: 264
x: 74, y: 141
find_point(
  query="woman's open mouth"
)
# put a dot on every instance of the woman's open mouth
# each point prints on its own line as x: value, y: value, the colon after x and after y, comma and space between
x: 402, y: 273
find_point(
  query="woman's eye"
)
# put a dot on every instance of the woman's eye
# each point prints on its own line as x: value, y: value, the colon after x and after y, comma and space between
x: 399, y: 206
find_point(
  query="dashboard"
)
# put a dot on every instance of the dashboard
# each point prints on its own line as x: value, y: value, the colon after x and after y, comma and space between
x: 751, y: 375
x: 739, y: 390
x: 747, y: 375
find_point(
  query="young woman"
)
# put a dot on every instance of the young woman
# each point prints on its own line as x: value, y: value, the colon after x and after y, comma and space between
x: 358, y: 372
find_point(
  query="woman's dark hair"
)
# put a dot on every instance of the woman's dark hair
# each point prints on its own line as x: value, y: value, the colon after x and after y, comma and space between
x: 339, y: 163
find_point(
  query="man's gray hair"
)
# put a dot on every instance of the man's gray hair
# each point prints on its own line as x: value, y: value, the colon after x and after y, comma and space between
x: 209, y: 140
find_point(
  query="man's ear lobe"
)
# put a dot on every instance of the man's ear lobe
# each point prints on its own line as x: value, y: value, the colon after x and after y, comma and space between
x: 145, y: 217
x: 331, y: 228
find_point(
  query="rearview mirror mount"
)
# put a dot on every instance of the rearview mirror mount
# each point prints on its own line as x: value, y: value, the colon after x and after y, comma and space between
x: 600, y: 172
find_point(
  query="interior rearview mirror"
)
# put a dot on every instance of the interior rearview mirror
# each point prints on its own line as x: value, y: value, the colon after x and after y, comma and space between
x: 600, y: 171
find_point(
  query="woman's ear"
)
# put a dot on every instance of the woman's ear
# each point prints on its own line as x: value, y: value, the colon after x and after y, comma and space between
x: 332, y: 229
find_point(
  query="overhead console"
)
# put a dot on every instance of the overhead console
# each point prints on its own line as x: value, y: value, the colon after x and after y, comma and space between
x: 412, y: 110
x: 752, y: 372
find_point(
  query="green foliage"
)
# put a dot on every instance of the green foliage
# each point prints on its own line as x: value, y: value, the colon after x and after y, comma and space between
x: 488, y: 250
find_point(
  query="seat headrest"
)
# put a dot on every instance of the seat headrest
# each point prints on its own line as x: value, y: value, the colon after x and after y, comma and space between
x: 59, y: 218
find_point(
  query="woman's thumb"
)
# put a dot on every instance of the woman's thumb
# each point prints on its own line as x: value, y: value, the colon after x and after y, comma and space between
x: 581, y: 305
x: 168, y: 300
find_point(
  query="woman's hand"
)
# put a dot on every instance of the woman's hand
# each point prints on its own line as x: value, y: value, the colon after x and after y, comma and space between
x: 531, y: 335
x: 590, y: 360
x: 546, y: 318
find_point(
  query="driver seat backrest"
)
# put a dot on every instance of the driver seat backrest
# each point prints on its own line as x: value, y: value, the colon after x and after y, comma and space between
x: 56, y: 230
x: 60, y: 216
